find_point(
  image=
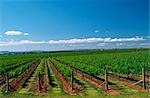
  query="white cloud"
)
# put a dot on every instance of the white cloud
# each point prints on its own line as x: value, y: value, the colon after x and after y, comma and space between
x: 101, y: 44
x: 15, y: 33
x: 96, y: 31
x: 22, y: 42
x: 90, y: 40
x: 72, y: 41
x: 25, y: 33
x: 120, y: 44
x: 11, y: 33
x: 76, y: 45
x: 148, y: 37
x: 145, y: 44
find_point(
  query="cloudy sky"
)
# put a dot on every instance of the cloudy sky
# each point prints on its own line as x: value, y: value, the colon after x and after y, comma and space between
x: 27, y: 25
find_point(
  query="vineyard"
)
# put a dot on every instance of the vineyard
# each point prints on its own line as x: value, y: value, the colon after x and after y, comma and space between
x: 85, y: 73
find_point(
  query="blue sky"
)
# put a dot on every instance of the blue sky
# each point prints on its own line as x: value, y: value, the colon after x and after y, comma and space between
x: 52, y: 24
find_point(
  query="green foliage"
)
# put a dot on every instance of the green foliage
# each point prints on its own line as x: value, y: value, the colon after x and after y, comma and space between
x: 20, y: 70
x: 92, y: 62
x: 41, y: 68
x: 125, y: 61
x: 9, y: 62
x: 63, y: 69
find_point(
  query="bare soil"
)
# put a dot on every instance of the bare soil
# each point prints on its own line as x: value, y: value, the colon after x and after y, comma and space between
x: 96, y: 82
x: 131, y: 76
x: 17, y: 82
x: 2, y: 79
x: 127, y: 83
x: 41, y: 87
x: 66, y: 83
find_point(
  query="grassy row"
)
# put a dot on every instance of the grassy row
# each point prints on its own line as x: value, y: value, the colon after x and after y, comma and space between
x: 63, y: 69
x: 41, y: 68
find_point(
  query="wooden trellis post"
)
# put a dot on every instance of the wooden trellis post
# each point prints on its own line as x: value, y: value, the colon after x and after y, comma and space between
x: 143, y: 77
x: 39, y: 88
x: 7, y: 83
x: 106, y: 80
x: 72, y: 79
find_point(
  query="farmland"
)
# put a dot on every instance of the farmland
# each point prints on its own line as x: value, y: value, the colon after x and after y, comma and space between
x: 84, y: 73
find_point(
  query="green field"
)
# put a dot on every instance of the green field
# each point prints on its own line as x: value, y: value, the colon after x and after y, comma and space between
x: 124, y: 65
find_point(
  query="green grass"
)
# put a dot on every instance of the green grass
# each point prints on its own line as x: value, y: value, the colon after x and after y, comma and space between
x: 41, y: 68
x: 29, y: 84
x: 133, y: 95
x: 89, y: 90
x: 55, y: 84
